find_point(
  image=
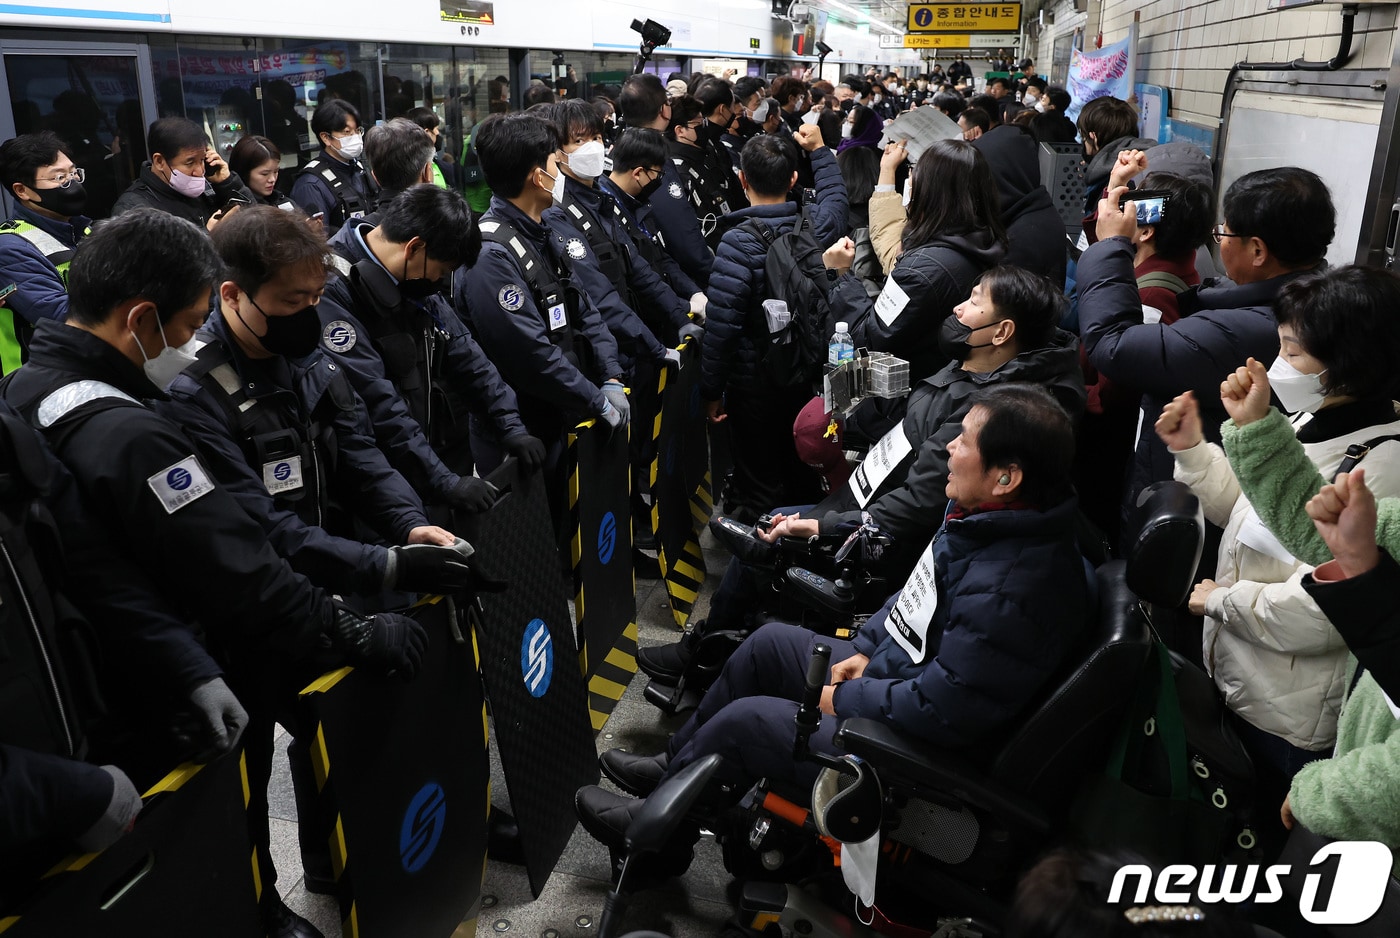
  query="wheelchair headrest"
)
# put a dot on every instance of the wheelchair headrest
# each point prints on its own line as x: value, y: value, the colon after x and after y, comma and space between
x: 847, y: 803
x: 1165, y: 534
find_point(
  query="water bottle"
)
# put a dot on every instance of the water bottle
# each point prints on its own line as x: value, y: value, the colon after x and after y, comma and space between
x: 841, y: 349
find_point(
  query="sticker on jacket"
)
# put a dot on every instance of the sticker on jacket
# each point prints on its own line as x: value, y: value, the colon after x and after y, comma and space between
x: 912, y: 614
x: 178, y: 485
x: 877, y: 465
x: 282, y: 475
x: 891, y: 302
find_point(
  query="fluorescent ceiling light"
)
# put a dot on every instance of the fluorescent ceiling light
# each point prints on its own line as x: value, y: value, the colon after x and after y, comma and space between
x: 865, y: 16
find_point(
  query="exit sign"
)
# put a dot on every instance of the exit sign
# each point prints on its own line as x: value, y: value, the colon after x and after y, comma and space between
x: 753, y: 43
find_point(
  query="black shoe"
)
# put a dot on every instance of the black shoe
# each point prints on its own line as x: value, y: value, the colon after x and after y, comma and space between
x: 666, y: 663
x: 636, y: 774
x: 742, y: 540
x: 282, y: 922
x: 606, y: 816
x: 503, y: 838
x: 320, y: 885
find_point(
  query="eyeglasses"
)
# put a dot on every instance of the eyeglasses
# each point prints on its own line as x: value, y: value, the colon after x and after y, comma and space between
x: 1219, y: 233
x: 77, y: 175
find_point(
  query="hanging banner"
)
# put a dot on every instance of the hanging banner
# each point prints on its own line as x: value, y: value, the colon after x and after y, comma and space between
x: 1096, y: 73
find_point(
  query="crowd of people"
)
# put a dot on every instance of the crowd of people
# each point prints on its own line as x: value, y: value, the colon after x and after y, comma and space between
x: 257, y: 412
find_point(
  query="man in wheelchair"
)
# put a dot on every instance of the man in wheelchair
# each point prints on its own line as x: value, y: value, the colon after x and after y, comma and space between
x: 990, y: 612
x: 899, y: 486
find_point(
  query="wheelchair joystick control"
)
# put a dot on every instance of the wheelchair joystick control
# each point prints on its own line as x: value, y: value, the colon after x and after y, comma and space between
x: 809, y: 715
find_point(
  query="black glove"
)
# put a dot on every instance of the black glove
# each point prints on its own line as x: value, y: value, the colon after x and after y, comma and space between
x: 387, y: 639
x: 428, y: 568
x: 527, y: 450
x: 472, y: 494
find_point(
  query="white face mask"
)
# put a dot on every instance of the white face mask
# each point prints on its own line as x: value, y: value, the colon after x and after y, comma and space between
x: 847, y: 129
x: 586, y: 162
x: 1030, y: 100
x: 556, y: 191
x: 1042, y: 105
x: 908, y: 190
x: 760, y: 113
x: 164, y: 368
x: 352, y: 146
x: 879, y: 98
x: 1299, y: 393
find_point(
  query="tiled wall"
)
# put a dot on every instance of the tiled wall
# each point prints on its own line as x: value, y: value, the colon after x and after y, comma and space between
x: 1190, y: 45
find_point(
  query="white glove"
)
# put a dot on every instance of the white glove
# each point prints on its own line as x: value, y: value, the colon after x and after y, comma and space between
x: 118, y: 817
x: 698, y: 302
x: 223, y: 716
x: 674, y: 357
x: 611, y: 415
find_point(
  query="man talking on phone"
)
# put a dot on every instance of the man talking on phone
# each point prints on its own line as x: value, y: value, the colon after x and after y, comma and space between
x: 184, y: 177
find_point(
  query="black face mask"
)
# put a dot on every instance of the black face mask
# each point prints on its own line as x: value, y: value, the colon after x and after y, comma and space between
x: 294, y: 336
x: 953, y: 336
x: 847, y: 104
x: 648, y: 190
x: 67, y: 202
x: 419, y: 288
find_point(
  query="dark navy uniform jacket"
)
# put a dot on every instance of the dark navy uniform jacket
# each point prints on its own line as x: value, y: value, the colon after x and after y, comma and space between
x: 398, y: 430
x: 644, y: 222
x: 313, y: 193
x: 634, y: 339
x: 494, y: 296
x: 146, y: 484
x: 298, y: 392
x: 677, y: 221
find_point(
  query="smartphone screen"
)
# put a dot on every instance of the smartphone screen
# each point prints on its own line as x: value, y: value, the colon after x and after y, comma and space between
x: 1151, y: 206
x: 6, y: 290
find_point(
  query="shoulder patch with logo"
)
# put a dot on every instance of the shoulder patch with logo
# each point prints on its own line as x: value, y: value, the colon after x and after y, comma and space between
x: 676, y: 191
x: 511, y: 297
x: 339, y: 336
x: 576, y: 249
x: 178, y: 485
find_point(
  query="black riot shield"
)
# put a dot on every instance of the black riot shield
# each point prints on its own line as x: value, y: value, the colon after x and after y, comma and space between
x: 678, y: 477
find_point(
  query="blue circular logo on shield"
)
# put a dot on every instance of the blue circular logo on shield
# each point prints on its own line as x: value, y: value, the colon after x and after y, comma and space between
x: 282, y: 472
x: 607, y: 538
x: 537, y: 658
x: 422, y: 828
x: 178, y: 479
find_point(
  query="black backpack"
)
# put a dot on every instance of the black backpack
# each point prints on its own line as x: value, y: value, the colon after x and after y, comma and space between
x: 795, y: 274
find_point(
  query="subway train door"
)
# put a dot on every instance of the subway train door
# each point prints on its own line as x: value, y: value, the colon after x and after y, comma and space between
x: 97, y: 96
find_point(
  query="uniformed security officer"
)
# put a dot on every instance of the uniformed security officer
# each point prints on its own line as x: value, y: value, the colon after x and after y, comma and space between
x: 59, y: 708
x: 643, y: 103
x: 335, y: 183
x: 542, y: 333
x: 719, y: 109
x: 37, y: 242
x: 639, y: 166
x: 706, y: 193
x: 282, y: 427
x: 138, y: 289
x: 635, y: 302
x: 411, y: 359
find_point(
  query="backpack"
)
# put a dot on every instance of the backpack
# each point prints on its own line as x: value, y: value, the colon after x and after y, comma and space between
x: 795, y: 274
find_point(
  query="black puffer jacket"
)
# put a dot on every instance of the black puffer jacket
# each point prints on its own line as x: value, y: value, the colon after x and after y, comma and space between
x: 908, y: 505
x: 1034, y: 231
x: 922, y: 289
x: 150, y: 191
x: 736, y: 332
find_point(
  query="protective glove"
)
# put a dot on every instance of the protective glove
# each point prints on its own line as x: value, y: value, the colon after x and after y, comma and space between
x: 472, y: 494
x: 392, y: 641
x: 429, y: 568
x: 617, y: 397
x: 692, y: 330
x: 698, y: 302
x: 527, y: 450
x: 673, y: 357
x: 221, y: 719
x: 118, y: 817
x: 611, y: 415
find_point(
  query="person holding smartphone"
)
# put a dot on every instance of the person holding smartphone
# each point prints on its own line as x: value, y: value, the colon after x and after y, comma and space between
x: 184, y: 177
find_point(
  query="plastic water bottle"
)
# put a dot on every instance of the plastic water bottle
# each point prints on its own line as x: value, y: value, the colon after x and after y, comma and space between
x: 841, y: 349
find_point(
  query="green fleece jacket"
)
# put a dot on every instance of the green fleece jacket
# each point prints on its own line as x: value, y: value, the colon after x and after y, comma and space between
x: 1278, y: 478
x: 1355, y: 795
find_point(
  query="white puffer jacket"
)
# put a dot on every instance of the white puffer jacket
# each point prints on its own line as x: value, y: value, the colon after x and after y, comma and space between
x: 1275, y: 657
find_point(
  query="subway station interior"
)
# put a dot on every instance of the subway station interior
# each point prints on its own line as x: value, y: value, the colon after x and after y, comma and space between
x: 680, y: 556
